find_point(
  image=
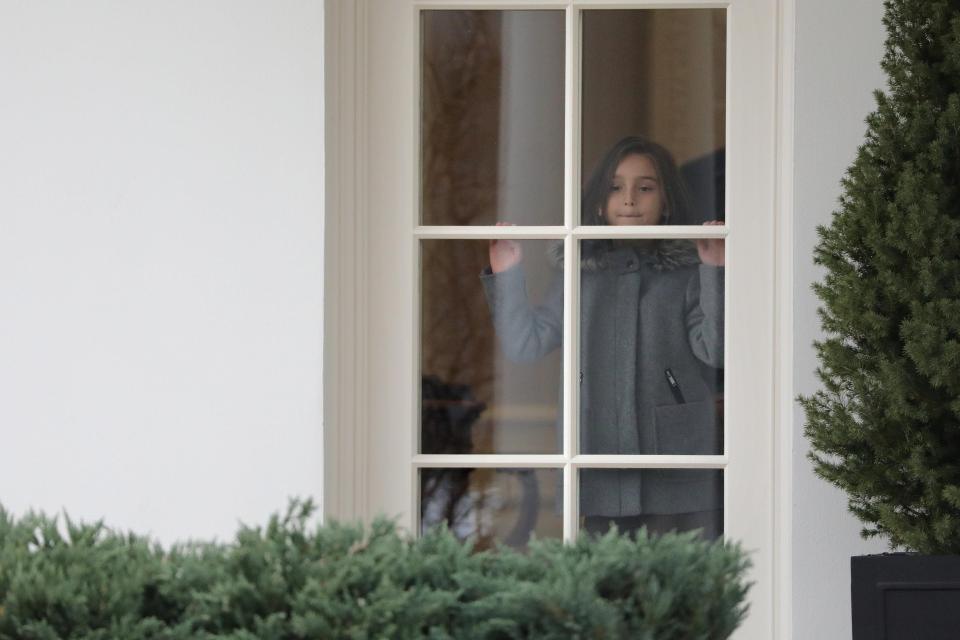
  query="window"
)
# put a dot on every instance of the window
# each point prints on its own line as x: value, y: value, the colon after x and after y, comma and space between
x: 456, y: 116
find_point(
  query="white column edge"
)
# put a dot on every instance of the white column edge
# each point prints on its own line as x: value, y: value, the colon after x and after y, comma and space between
x: 345, y: 426
x: 783, y: 330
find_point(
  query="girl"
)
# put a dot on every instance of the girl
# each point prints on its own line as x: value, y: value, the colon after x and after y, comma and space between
x: 651, y: 322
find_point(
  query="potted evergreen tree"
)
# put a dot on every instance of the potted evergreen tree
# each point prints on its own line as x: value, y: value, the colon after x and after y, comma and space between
x: 885, y: 427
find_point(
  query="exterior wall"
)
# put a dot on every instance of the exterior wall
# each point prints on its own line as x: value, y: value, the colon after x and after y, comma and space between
x: 161, y: 263
x: 161, y: 253
x: 838, y: 50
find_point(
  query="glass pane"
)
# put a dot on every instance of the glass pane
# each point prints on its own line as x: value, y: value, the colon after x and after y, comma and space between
x: 490, y: 357
x: 651, y: 347
x: 493, y: 505
x: 661, y: 500
x: 492, y: 96
x: 654, y: 85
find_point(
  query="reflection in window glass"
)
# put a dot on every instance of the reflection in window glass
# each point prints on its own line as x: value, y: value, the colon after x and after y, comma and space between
x: 487, y: 388
x: 662, y: 500
x: 659, y: 74
x: 492, y: 115
x: 490, y: 506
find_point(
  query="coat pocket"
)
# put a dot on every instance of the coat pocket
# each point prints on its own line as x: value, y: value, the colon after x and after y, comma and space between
x: 692, y: 428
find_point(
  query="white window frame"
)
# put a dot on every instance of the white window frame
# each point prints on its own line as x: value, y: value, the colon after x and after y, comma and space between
x: 353, y: 458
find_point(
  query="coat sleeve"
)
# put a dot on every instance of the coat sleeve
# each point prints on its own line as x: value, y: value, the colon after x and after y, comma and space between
x: 526, y: 332
x: 704, y: 315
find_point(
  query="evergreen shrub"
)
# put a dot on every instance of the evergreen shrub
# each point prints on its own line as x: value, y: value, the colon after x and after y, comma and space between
x: 85, y: 582
x: 885, y: 428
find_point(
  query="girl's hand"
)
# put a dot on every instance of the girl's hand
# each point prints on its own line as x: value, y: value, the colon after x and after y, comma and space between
x: 504, y: 253
x: 712, y: 250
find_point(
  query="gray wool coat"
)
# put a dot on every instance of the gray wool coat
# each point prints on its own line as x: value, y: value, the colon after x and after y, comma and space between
x: 651, y: 325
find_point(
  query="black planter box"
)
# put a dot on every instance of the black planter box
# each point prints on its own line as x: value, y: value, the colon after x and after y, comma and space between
x: 905, y: 596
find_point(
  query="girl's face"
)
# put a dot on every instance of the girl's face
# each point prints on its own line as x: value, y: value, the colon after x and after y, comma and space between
x: 636, y: 195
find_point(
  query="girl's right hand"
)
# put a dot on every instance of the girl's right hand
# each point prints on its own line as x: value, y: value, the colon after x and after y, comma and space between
x: 504, y: 253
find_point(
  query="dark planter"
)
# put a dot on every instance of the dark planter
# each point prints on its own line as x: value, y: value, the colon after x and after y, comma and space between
x: 905, y: 596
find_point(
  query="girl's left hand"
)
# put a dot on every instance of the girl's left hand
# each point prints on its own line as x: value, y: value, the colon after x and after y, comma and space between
x: 711, y: 250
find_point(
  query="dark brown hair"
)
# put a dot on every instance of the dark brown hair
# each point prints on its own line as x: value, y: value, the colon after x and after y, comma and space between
x: 597, y: 188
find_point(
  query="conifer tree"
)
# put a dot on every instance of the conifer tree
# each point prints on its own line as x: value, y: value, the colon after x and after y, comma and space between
x: 886, y: 425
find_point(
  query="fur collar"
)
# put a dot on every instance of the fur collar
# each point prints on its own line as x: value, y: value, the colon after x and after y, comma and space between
x: 664, y: 255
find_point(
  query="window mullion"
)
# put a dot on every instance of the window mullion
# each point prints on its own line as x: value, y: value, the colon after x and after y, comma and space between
x: 620, y: 461
x: 571, y: 272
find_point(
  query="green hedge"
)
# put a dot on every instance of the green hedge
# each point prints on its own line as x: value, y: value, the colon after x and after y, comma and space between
x: 83, y: 581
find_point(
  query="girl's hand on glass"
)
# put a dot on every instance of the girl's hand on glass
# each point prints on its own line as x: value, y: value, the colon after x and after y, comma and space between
x: 504, y: 253
x: 711, y: 250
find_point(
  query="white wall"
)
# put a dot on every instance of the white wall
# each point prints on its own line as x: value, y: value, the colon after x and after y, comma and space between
x: 161, y: 253
x: 160, y: 260
x: 838, y: 47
